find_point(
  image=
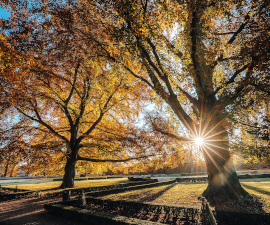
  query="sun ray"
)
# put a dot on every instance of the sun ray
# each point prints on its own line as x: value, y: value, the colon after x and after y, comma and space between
x: 200, y: 124
x: 213, y: 128
x: 221, y: 178
x: 217, y: 133
x: 225, y: 149
x: 216, y: 140
x: 206, y: 125
x: 215, y: 152
x: 187, y: 125
x: 210, y: 157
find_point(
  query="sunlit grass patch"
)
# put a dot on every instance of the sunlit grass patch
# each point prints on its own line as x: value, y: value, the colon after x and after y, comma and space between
x: 78, y: 184
x: 137, y: 195
x: 260, y: 189
x: 35, y: 186
x: 185, y: 195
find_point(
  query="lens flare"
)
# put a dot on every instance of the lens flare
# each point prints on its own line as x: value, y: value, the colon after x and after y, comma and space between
x: 199, y: 141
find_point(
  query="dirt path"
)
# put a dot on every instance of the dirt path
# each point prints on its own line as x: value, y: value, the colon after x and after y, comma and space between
x: 31, y: 212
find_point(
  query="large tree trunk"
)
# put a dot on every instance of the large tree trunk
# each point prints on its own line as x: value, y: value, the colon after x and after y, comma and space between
x: 223, y: 183
x: 68, y: 179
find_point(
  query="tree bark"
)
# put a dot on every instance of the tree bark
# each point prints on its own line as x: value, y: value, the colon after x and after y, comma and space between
x: 223, y: 183
x: 68, y: 179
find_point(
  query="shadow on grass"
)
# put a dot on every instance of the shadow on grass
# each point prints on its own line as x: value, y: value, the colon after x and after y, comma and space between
x: 245, y: 212
x: 158, y: 194
x: 262, y: 191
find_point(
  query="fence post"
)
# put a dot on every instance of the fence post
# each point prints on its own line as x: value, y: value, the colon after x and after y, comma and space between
x: 66, y: 195
x: 82, y: 199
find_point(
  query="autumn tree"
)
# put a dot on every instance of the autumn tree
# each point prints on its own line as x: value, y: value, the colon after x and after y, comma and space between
x: 79, y: 116
x: 198, y: 56
x: 251, y: 124
x: 70, y: 101
x: 13, y: 149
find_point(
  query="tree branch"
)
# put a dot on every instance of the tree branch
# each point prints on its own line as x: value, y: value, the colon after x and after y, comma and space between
x: 225, y: 33
x: 83, y: 102
x: 148, y: 58
x: 113, y: 160
x: 72, y: 85
x: 231, y: 80
x: 262, y: 88
x: 190, y: 98
x: 179, y: 138
x: 172, y: 48
x: 164, y: 77
x: 153, y: 47
x: 40, y: 121
x: 193, y: 35
x: 137, y: 76
x: 158, y: 88
x: 103, y: 111
x: 242, y: 26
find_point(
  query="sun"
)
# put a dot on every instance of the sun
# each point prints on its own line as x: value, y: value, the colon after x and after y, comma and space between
x: 199, y: 141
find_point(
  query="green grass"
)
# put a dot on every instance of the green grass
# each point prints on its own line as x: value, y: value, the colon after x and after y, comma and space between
x: 78, y: 184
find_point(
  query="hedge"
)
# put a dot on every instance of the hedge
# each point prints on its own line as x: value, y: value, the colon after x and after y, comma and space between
x: 96, y: 218
x: 236, y: 218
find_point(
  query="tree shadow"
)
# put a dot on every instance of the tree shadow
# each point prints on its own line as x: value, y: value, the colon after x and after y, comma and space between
x: 246, y: 211
x: 156, y: 195
x: 256, y: 189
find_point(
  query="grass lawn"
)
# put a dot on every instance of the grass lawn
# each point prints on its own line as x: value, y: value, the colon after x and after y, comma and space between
x: 180, y: 194
x: 260, y: 188
x: 174, y: 195
x: 186, y: 194
x: 78, y: 184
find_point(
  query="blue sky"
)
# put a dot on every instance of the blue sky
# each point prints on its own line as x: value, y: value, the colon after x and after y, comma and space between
x: 4, y: 14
